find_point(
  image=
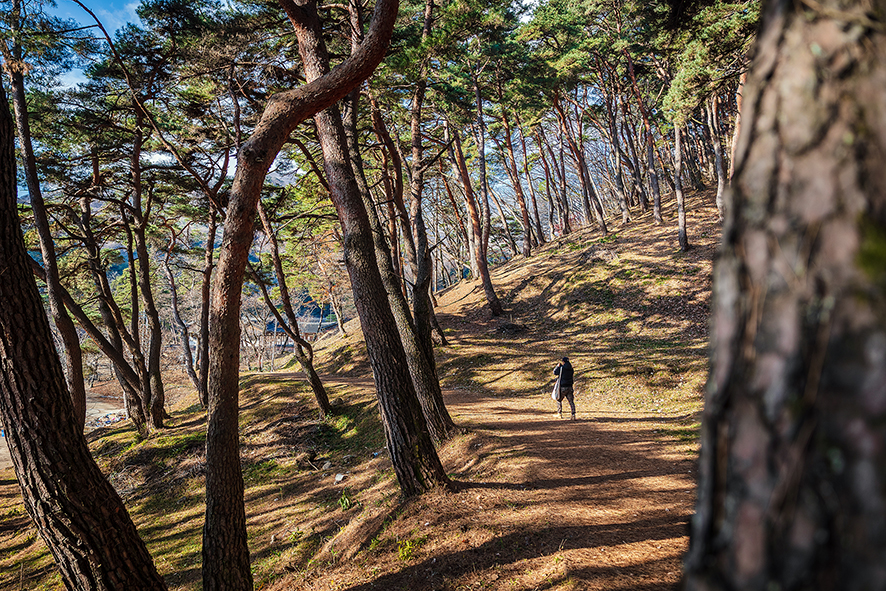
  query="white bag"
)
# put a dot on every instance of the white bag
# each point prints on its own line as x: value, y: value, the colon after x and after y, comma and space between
x: 555, y: 394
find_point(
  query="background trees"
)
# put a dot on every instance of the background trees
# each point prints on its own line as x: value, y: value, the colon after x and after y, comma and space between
x: 77, y: 511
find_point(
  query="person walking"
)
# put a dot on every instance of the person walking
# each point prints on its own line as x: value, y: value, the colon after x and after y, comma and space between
x: 566, y: 375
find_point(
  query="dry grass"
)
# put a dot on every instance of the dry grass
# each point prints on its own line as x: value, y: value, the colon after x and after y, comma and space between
x: 540, y: 503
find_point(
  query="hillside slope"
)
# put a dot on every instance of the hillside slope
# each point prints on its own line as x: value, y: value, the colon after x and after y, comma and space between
x: 540, y: 503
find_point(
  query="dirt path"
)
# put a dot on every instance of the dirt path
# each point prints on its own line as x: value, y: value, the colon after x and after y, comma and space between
x: 600, y: 503
x: 604, y: 496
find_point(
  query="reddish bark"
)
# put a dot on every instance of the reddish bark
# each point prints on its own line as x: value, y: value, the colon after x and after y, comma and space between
x: 77, y: 512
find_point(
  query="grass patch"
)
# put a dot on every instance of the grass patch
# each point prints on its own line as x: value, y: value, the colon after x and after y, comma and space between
x: 175, y: 445
x: 262, y: 472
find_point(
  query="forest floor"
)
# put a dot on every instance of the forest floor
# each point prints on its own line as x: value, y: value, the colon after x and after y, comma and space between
x: 539, y: 502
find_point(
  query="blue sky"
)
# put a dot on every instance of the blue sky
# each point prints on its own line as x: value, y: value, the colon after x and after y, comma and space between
x: 113, y: 13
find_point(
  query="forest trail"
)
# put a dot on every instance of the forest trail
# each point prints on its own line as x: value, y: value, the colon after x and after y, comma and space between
x: 599, y: 503
x: 538, y: 502
x: 604, y: 497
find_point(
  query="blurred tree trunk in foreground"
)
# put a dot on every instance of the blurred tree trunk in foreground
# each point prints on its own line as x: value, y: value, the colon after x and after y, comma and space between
x: 792, y: 490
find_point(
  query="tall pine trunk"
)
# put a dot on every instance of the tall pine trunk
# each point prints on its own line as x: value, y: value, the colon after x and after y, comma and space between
x: 540, y: 234
x: 414, y: 458
x: 719, y: 167
x: 414, y: 328
x: 63, y: 323
x: 225, y: 549
x: 682, y: 236
x: 511, y: 163
x: 205, y: 303
x: 140, y: 273
x: 478, y: 244
x: 303, y: 351
x: 184, y: 332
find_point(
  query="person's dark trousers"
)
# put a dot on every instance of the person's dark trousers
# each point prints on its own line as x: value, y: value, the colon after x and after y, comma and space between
x: 566, y: 392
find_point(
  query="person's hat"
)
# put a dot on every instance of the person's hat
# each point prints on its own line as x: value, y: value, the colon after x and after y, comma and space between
x: 566, y: 359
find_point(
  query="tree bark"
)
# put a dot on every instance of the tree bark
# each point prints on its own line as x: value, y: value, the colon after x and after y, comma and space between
x: 539, y: 230
x: 225, y: 551
x: 477, y: 241
x: 714, y: 127
x: 682, y: 237
x: 511, y: 163
x: 414, y: 458
x: 77, y: 512
x: 205, y: 300
x: 739, y: 95
x: 303, y: 351
x: 792, y: 473
x: 184, y: 332
x: 63, y: 322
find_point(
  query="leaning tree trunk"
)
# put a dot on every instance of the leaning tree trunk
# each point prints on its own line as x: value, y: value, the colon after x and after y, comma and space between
x: 419, y: 354
x: 181, y: 327
x: 77, y: 512
x: 303, y: 351
x: 792, y: 490
x: 71, y: 340
x: 225, y: 550
x: 205, y: 302
x: 477, y: 241
x: 413, y: 456
x: 739, y: 94
x: 719, y: 165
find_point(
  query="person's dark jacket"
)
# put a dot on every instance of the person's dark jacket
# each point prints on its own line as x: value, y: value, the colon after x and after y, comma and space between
x: 566, y: 373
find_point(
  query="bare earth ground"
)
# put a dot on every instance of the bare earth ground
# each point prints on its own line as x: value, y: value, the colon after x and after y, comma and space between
x: 599, y: 503
x: 538, y: 502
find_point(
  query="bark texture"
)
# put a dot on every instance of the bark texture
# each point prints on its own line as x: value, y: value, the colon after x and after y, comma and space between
x: 792, y: 490
x: 682, y: 236
x: 64, y: 324
x: 77, y: 512
x: 304, y: 353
